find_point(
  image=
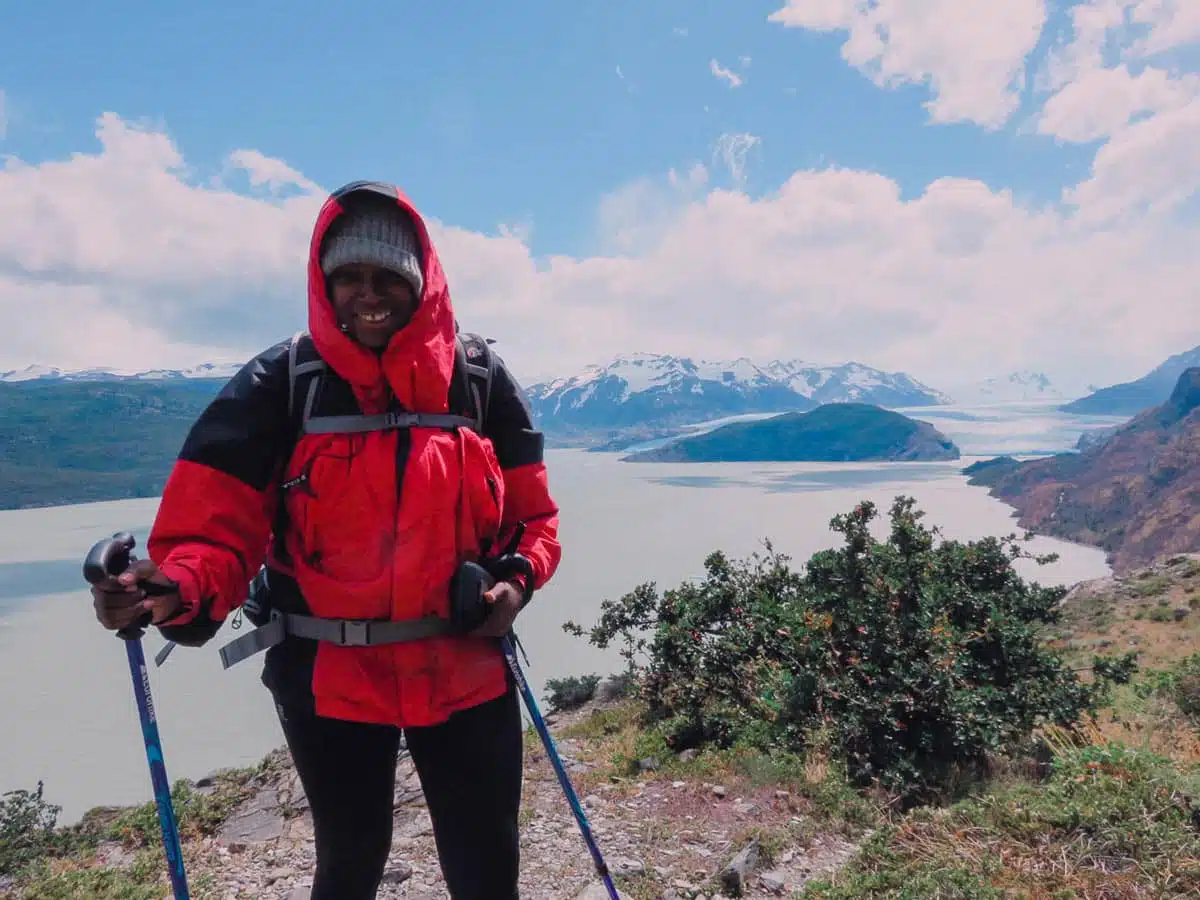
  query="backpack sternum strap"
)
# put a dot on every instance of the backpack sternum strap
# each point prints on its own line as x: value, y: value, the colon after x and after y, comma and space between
x: 383, y: 422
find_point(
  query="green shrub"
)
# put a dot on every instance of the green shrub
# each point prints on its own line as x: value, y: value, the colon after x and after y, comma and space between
x: 918, y: 659
x: 27, y: 829
x: 1180, y: 683
x: 570, y: 693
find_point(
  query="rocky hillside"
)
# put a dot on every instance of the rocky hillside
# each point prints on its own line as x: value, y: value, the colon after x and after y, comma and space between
x: 667, y: 833
x: 1136, y: 494
x: 1132, y: 397
x: 652, y: 390
x: 835, y: 432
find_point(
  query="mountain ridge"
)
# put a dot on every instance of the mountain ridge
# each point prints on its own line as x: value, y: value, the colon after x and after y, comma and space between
x: 205, y: 370
x: 1134, y: 493
x: 1022, y: 385
x: 648, y: 389
x: 1132, y: 397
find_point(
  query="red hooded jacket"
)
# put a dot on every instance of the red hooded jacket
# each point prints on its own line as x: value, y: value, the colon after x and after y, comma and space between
x: 381, y: 519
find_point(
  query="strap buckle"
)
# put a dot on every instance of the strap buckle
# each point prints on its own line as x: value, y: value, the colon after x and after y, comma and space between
x: 401, y: 419
x: 355, y: 633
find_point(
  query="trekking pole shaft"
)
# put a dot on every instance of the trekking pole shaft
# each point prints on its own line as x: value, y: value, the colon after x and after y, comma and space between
x: 106, y: 559
x: 158, y: 770
x: 559, y: 770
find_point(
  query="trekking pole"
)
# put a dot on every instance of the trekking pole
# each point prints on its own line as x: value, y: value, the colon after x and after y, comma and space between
x: 109, y: 558
x: 510, y: 656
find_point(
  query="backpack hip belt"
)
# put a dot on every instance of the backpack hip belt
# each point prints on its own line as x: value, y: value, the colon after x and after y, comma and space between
x: 342, y: 632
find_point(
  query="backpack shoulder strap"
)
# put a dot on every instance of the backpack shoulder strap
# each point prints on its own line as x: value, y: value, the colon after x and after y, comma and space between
x: 303, y: 360
x: 475, y: 367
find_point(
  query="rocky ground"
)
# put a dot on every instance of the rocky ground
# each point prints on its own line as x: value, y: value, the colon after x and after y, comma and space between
x: 662, y: 837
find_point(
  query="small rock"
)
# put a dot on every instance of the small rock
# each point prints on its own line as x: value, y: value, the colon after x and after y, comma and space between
x: 258, y: 820
x: 772, y: 882
x: 623, y: 867
x: 1181, y: 613
x: 300, y: 893
x: 397, y: 873
x: 206, y: 784
x: 596, y: 891
x: 718, y: 790
x: 688, y: 755
x: 737, y: 873
x: 648, y: 765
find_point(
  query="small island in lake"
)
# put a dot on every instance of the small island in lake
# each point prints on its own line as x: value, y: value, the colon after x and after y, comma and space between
x: 834, y: 432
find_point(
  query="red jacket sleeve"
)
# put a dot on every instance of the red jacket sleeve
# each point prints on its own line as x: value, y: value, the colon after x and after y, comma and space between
x: 215, y: 519
x: 528, y: 500
x: 520, y: 450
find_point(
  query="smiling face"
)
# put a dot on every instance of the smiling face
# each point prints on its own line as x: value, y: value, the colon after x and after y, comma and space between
x: 371, y: 303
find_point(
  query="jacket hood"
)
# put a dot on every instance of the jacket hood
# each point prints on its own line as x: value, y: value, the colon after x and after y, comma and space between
x: 418, y: 363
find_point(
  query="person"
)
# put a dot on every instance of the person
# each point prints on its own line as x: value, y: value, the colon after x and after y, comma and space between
x: 367, y: 525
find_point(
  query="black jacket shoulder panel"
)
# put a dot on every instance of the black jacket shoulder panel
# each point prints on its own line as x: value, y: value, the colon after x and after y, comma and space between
x: 509, y: 422
x: 245, y: 427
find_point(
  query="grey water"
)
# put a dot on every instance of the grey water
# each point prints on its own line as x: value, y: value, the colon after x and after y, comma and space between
x: 67, y: 706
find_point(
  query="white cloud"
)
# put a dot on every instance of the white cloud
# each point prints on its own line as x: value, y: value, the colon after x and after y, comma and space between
x: 1109, y: 80
x: 1101, y: 101
x: 1105, y: 75
x: 719, y: 71
x: 971, y: 53
x: 1172, y: 23
x: 1150, y: 167
x: 732, y: 150
x: 679, y: 31
x: 126, y: 255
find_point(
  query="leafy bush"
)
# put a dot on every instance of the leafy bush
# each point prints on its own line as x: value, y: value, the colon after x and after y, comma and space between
x: 27, y: 829
x: 1179, y: 682
x: 570, y: 693
x: 916, y: 659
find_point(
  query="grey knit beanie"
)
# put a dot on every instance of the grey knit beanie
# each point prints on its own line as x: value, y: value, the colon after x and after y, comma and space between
x: 374, y: 230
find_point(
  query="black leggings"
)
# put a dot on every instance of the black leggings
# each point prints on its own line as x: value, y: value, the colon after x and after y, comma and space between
x: 470, y: 770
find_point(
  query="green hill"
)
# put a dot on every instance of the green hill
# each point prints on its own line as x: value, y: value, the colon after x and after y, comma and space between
x: 80, y: 442
x: 835, y: 432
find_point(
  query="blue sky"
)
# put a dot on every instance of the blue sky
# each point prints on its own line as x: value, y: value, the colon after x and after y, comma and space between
x: 490, y: 112
x: 563, y: 121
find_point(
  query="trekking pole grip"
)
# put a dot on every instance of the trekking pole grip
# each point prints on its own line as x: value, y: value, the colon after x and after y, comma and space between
x: 110, y: 557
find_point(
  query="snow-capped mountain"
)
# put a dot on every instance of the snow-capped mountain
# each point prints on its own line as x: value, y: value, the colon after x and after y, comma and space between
x: 51, y: 373
x: 1016, y: 387
x: 651, y: 389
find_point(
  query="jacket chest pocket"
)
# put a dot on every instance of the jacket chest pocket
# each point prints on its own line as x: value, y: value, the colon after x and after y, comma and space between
x: 340, y: 496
